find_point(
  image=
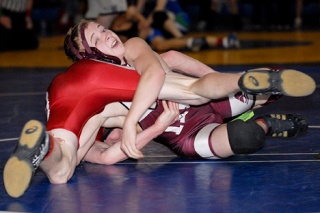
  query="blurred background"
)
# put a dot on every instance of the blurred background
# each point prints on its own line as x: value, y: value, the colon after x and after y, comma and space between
x: 292, y: 25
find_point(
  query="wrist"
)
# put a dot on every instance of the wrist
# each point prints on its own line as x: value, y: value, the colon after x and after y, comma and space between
x: 128, y: 123
x: 159, y: 129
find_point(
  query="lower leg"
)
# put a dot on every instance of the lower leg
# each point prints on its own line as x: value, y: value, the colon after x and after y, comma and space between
x: 216, y: 85
x: 160, y: 44
x: 59, y: 166
x: 34, y: 144
x: 229, y: 140
x: 245, y: 137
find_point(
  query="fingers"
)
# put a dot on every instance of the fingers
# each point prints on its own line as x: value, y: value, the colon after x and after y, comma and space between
x: 174, y: 108
x: 131, y: 151
x: 128, y: 146
x: 165, y: 105
x: 170, y: 112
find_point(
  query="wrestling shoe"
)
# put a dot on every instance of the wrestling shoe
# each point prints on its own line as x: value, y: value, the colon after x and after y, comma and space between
x: 20, y: 168
x: 198, y: 44
x: 285, y: 125
x: 286, y: 82
x: 231, y: 42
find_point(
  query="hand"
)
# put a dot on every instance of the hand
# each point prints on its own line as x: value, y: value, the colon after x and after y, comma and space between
x: 128, y: 143
x: 169, y: 115
x: 6, y: 22
x: 29, y: 23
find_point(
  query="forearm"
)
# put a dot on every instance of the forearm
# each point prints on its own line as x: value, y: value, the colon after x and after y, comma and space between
x: 152, y: 72
x: 114, y: 154
x: 146, y: 94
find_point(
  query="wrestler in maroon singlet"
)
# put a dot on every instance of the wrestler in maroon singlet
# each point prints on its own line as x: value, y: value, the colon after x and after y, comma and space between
x: 189, y: 136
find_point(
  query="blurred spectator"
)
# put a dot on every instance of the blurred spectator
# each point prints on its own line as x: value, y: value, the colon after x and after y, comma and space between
x: 16, y: 26
x: 298, y: 17
x: 272, y: 14
x: 45, y: 15
x: 105, y: 11
x: 72, y: 11
x: 156, y: 11
x: 136, y: 26
x: 307, y: 14
x: 213, y: 14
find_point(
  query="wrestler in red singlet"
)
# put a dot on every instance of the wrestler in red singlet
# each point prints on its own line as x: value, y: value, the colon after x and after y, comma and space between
x: 84, y: 90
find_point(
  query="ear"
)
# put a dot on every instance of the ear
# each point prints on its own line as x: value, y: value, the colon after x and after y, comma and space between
x: 104, y: 57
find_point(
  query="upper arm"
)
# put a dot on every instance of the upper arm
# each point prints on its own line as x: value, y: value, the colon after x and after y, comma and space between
x: 114, y: 115
x: 140, y: 55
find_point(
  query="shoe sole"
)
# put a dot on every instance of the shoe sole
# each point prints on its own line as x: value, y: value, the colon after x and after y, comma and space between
x: 293, y: 83
x: 18, y: 170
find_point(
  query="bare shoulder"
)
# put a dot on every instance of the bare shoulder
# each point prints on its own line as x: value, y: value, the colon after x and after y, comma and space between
x: 136, y: 48
x: 136, y: 42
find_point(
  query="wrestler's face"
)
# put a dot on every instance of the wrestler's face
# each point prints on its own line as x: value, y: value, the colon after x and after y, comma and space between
x: 104, y: 40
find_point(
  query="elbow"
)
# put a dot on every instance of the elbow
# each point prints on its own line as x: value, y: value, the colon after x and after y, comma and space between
x: 111, y: 161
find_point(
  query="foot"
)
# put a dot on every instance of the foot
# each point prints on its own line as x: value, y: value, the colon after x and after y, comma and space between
x: 198, y: 44
x: 286, y: 82
x: 231, y: 42
x: 20, y: 168
x: 285, y: 125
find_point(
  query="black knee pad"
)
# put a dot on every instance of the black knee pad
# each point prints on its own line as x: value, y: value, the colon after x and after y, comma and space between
x: 245, y: 137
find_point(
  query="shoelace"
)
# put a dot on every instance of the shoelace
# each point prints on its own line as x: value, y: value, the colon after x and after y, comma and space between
x: 279, y: 126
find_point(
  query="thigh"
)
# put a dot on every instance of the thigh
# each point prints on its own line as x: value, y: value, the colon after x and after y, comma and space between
x: 177, y: 88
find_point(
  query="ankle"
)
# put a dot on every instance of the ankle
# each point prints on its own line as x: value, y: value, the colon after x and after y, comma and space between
x: 263, y: 124
x: 51, y: 146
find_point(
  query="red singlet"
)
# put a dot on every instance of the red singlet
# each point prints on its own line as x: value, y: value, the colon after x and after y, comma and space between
x: 74, y: 96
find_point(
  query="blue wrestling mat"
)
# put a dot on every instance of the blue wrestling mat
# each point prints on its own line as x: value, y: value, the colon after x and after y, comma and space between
x: 282, y: 177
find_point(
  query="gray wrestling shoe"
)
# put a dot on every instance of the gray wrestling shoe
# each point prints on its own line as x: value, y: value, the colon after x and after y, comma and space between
x: 286, y: 82
x: 198, y: 44
x: 285, y: 125
x: 19, y: 170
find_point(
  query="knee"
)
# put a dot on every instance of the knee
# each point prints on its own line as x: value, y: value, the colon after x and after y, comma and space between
x: 245, y: 137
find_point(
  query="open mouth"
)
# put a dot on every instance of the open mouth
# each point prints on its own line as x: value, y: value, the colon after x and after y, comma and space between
x: 114, y: 43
